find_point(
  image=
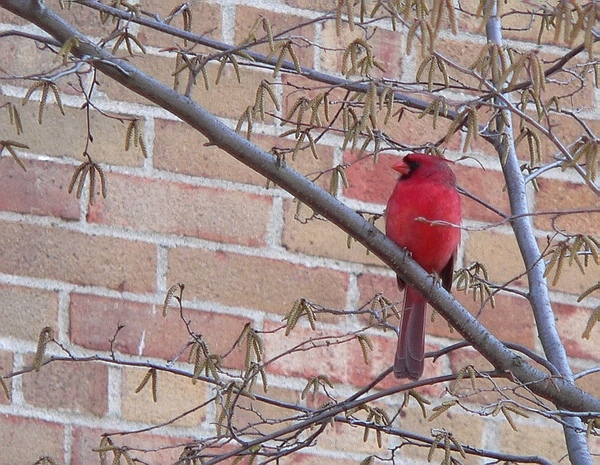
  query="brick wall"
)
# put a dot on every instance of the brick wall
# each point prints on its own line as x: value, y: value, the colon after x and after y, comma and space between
x: 192, y: 214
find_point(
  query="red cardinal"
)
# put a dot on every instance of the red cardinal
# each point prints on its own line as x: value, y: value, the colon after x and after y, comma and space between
x: 426, y: 189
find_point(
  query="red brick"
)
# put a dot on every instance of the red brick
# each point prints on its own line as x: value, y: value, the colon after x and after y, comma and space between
x: 571, y: 279
x: 254, y: 282
x: 86, y: 20
x: 308, y: 459
x: 244, y: 92
x: 487, y: 185
x: 185, y: 210
x: 321, y: 238
x: 466, y: 428
x: 25, y: 440
x: 488, y: 391
x: 559, y: 196
x: 312, y: 5
x: 481, y: 146
x: 499, y: 320
x: 568, y: 130
x: 332, y: 359
x: 158, y: 67
x: 24, y: 312
x: 22, y: 57
x: 342, y: 362
x: 339, y: 436
x: 94, y: 321
x: 6, y: 17
x: 499, y: 253
x: 545, y: 440
x: 296, y: 87
x: 461, y: 358
x: 462, y: 54
x: 369, y: 181
x: 145, y: 447
x: 193, y: 156
x: 6, y: 367
x: 206, y: 21
x: 388, y: 48
x: 246, y: 17
x: 161, y: 69
x: 511, y: 320
x: 371, y: 284
x: 564, y: 128
x: 571, y: 322
x: 64, y: 136
x: 522, y: 27
x: 304, y: 162
x: 74, y: 257
x: 174, y: 396
x: 255, y: 411
x: 569, y: 91
x: 382, y: 357
x: 41, y: 190
x: 68, y: 386
x: 590, y: 382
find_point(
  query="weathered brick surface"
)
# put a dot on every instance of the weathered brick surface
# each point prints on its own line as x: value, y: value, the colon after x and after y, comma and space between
x: 369, y: 181
x: 175, y: 395
x: 65, y: 136
x: 66, y: 386
x: 23, y: 58
x: 564, y: 196
x: 206, y: 21
x: 308, y: 459
x: 218, y: 100
x: 387, y: 47
x: 532, y: 439
x: 487, y: 186
x: 159, y: 67
x: 511, y: 320
x: 342, y: 436
x: 589, y: 383
x: 181, y: 149
x: 332, y: 359
x: 571, y: 323
x: 371, y: 284
x: 52, y: 253
x: 251, y: 411
x: 177, y: 208
x: 246, y: 17
x: 233, y: 279
x: 465, y: 428
x: 6, y: 367
x: 94, y: 322
x: 145, y: 447
x: 320, y: 238
x: 24, y: 312
x: 25, y: 440
x: 41, y: 190
x: 86, y: 20
x: 499, y: 253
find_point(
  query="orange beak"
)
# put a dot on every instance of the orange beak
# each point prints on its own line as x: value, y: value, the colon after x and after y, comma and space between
x: 401, y: 167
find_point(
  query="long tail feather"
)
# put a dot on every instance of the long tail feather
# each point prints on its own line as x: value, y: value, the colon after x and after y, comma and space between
x: 410, y: 352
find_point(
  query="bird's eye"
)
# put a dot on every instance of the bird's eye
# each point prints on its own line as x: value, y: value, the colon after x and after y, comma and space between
x: 412, y: 164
